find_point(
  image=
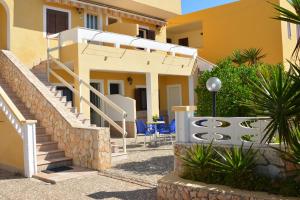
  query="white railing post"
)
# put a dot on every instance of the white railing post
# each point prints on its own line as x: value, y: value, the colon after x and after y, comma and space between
x: 182, y: 118
x: 48, y: 59
x: 29, y: 148
x: 80, y: 96
x: 124, y: 132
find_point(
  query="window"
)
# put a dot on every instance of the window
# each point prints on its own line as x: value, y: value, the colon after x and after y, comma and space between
x: 289, y: 30
x: 111, y: 20
x: 141, y: 99
x: 147, y: 34
x: 91, y: 21
x: 116, y: 87
x: 56, y: 21
x: 183, y: 42
x: 169, y: 40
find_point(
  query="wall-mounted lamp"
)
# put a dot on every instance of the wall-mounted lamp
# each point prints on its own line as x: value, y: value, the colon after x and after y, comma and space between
x: 130, y: 80
x: 105, y: 58
x: 79, y: 10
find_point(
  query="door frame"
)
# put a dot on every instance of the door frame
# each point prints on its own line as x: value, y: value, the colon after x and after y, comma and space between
x: 168, y: 97
x: 101, y: 81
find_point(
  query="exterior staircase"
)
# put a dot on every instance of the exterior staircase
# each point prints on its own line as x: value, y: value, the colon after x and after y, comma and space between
x: 48, y: 154
x: 40, y: 72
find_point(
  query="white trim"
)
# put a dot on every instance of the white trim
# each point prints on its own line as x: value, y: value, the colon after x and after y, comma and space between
x: 121, y: 82
x: 99, y: 16
x: 168, y: 97
x: 61, y: 84
x: 45, y: 7
x: 109, y: 16
x: 6, y: 8
x: 144, y: 27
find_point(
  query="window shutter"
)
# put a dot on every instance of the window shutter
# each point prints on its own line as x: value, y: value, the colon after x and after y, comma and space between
x: 62, y: 22
x: 150, y: 35
x: 51, y: 21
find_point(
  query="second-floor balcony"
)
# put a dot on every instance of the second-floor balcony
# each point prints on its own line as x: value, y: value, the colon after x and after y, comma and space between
x: 97, y: 50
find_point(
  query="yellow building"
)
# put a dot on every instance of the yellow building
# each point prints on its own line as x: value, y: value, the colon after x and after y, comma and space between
x: 105, y: 63
x: 218, y: 31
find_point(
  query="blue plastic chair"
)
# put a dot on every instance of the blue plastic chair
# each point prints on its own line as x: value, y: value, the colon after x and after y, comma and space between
x: 143, y: 129
x: 168, y: 129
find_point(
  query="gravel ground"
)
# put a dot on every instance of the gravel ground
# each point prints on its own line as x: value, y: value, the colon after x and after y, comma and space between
x: 143, y: 164
x: 89, y: 187
x: 146, y: 164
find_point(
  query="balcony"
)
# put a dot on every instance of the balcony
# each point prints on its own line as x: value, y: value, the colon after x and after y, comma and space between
x: 96, y: 50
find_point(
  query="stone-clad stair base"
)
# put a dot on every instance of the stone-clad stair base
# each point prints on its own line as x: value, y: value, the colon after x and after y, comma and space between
x: 48, y: 154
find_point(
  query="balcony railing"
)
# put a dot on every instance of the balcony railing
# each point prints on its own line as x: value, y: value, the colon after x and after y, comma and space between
x: 83, y: 35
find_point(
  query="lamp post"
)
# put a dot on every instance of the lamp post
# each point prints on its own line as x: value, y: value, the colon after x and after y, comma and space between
x: 213, y: 85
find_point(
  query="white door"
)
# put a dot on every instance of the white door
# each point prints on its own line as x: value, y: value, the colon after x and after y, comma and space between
x: 174, y: 98
x: 95, y: 117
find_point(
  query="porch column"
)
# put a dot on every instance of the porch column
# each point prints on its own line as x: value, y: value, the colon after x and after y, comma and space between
x: 191, y: 90
x: 152, y: 95
x: 84, y: 91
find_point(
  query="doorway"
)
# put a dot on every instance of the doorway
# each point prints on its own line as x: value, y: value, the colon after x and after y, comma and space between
x: 174, y: 98
x: 95, y: 100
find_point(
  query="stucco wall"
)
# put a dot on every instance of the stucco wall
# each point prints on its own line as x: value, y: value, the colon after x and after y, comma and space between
x: 238, y: 25
x: 11, y: 147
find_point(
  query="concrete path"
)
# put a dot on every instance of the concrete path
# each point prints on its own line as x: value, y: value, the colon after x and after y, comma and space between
x: 90, y: 187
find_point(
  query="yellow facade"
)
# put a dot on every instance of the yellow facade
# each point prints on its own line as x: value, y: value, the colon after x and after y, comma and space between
x: 27, y: 37
x: 218, y: 31
x: 11, y: 147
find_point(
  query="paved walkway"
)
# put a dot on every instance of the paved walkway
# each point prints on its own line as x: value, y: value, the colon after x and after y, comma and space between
x: 145, y: 164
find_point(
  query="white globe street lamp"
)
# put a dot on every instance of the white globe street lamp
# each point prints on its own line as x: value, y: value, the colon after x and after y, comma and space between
x: 213, y: 85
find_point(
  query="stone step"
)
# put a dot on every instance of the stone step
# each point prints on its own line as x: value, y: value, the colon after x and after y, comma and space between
x: 46, y: 146
x: 62, y: 99
x: 53, y: 163
x: 46, y: 155
x: 40, y: 130
x: 43, y: 138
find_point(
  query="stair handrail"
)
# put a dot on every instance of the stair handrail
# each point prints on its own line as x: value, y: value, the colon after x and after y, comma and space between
x: 77, y: 93
x: 121, y: 129
x: 25, y: 128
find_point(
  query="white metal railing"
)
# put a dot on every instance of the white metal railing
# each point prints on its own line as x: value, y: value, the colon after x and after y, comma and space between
x: 25, y: 128
x: 221, y: 130
x: 81, y: 35
x: 78, y: 92
x: 204, y: 65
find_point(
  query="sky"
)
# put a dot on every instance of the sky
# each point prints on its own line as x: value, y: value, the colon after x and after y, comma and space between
x: 189, y: 6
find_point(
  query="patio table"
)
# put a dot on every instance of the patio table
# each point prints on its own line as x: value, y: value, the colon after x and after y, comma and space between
x: 156, y: 135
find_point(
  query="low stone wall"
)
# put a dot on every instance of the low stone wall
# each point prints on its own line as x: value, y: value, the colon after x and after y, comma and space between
x: 88, y: 147
x: 269, y: 162
x: 175, y: 188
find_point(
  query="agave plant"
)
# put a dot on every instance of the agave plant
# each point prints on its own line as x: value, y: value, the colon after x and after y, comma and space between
x: 278, y: 97
x: 236, y: 163
x: 287, y: 15
x: 199, y: 159
x: 253, y: 56
x: 238, y: 57
x: 293, y: 153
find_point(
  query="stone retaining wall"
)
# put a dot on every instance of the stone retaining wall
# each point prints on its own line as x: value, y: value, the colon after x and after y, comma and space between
x: 269, y: 162
x: 173, y: 188
x: 88, y: 147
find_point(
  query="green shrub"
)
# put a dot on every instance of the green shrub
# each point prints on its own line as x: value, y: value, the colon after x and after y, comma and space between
x: 198, y: 160
x: 235, y: 165
x: 235, y: 89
